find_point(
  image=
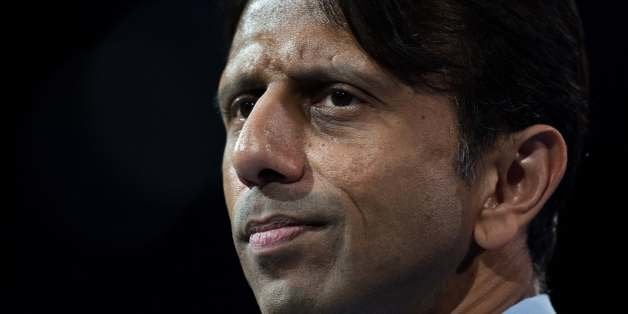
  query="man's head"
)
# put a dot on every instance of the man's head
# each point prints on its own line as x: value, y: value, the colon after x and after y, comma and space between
x: 389, y: 156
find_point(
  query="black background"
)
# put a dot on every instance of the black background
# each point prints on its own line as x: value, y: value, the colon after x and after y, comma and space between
x: 119, y: 205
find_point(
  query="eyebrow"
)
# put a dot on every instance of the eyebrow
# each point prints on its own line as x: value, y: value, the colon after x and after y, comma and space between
x: 308, y: 76
x: 343, y: 73
x: 241, y: 83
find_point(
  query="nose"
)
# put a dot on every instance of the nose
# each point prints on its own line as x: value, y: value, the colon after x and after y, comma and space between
x: 269, y: 146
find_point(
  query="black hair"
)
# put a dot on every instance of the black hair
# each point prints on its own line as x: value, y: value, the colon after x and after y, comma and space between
x: 508, y: 65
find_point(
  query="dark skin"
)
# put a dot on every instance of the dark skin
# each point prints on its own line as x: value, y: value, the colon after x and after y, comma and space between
x: 317, y: 131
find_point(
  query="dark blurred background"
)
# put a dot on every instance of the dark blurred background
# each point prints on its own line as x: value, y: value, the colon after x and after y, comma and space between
x: 119, y: 205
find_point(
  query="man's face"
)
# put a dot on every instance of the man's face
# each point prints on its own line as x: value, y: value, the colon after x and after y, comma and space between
x: 347, y: 174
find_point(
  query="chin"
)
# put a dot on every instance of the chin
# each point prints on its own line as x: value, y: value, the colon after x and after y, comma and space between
x: 303, y: 292
x: 281, y: 296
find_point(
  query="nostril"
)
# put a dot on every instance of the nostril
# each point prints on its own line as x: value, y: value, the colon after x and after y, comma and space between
x: 269, y: 175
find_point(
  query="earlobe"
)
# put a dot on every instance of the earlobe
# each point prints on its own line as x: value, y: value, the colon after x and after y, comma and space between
x: 528, y: 166
x: 494, y: 232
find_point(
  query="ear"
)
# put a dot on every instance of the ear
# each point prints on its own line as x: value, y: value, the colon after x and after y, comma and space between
x: 517, y: 178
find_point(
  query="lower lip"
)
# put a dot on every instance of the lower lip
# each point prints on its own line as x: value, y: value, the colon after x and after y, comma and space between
x: 274, y: 237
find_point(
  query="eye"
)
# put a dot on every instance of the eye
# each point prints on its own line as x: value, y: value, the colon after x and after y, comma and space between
x: 341, y: 98
x: 243, y: 106
x: 338, y: 103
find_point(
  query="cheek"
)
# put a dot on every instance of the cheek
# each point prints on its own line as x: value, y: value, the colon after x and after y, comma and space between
x: 408, y: 214
x: 232, y: 186
x: 388, y: 175
x: 400, y: 195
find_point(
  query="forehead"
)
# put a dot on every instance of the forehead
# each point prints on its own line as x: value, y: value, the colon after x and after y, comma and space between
x: 270, y: 16
x: 281, y: 37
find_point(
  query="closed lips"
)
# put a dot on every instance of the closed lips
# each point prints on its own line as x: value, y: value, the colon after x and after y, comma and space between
x: 264, y: 227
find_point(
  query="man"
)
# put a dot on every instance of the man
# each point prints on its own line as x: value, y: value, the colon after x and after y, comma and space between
x: 400, y: 156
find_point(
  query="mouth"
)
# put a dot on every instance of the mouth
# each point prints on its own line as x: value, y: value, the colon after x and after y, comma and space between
x: 276, y: 230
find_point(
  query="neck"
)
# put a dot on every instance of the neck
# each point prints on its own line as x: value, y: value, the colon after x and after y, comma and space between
x: 494, y: 281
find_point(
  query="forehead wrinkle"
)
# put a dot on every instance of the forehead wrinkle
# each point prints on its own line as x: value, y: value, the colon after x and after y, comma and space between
x: 264, y: 19
x: 275, y: 16
x: 271, y: 44
x: 264, y: 54
x: 270, y: 32
x: 300, y: 62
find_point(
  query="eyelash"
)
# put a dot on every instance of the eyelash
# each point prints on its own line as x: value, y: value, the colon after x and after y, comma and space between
x: 235, y: 110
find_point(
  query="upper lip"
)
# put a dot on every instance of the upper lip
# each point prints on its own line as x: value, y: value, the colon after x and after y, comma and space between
x: 275, y: 222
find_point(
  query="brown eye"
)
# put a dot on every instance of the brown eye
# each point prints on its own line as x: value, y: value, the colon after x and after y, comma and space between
x: 243, y: 107
x: 341, y: 98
